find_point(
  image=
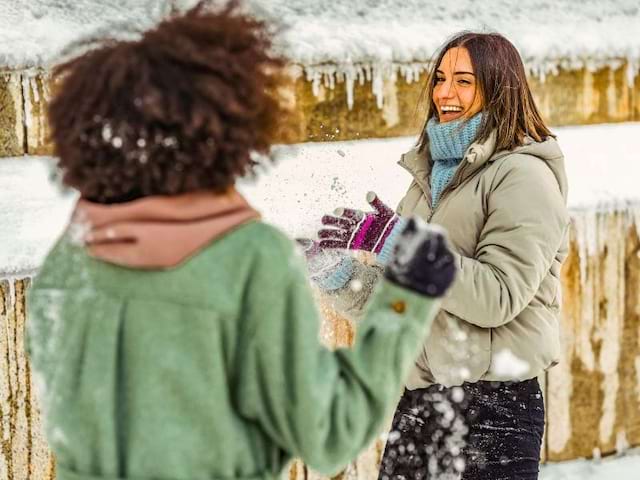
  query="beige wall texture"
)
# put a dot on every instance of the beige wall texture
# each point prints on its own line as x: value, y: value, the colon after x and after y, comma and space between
x: 592, y: 396
x: 24, y: 453
x: 571, y: 97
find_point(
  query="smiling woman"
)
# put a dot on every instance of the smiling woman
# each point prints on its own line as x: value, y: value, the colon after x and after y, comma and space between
x: 487, y: 169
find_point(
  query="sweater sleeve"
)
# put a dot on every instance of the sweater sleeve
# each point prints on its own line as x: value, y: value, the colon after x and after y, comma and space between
x: 317, y: 405
x: 350, y: 300
x: 526, y: 223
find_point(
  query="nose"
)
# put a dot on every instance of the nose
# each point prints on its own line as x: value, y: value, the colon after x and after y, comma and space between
x: 446, y: 90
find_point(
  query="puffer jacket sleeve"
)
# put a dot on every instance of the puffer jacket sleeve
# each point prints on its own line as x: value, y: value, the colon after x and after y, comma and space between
x: 323, y: 406
x: 526, y: 223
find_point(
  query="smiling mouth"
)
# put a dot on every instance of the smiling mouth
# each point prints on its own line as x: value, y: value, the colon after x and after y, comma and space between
x: 450, y: 109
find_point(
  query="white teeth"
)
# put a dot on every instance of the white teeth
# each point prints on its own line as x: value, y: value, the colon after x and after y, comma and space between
x: 451, y: 108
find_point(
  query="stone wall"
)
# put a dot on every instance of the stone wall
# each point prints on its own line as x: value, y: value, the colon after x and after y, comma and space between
x: 594, y: 393
x: 592, y: 396
x: 24, y: 453
x: 570, y: 97
x: 24, y: 97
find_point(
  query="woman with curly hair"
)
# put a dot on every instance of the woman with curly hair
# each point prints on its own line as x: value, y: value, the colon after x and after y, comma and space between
x: 488, y: 169
x: 172, y: 334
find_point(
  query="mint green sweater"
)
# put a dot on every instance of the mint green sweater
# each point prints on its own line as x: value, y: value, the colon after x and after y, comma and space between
x: 211, y: 370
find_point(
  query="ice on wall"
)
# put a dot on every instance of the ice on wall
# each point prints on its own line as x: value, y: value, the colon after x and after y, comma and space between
x: 383, y: 39
x: 354, y: 41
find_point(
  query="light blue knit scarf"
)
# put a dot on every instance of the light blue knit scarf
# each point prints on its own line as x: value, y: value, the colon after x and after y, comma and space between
x: 447, y: 144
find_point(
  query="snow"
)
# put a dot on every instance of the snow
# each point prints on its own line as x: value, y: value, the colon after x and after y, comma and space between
x: 623, y: 467
x: 33, y: 212
x: 34, y: 32
x: 405, y: 31
x: 375, y: 40
x: 505, y: 363
x: 353, y: 41
x: 359, y: 31
x: 311, y: 179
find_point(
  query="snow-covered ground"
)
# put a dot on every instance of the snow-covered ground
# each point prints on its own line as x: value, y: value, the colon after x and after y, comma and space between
x: 311, y: 179
x: 625, y: 467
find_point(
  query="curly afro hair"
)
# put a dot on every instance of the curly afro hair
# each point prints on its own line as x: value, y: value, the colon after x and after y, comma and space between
x: 184, y: 108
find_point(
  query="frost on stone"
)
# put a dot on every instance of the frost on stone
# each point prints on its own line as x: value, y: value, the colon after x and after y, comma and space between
x: 508, y: 365
x: 622, y: 443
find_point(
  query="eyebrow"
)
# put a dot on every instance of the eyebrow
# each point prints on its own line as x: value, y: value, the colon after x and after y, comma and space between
x: 457, y: 73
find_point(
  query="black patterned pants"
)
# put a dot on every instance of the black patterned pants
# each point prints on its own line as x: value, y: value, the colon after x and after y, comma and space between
x: 482, y: 430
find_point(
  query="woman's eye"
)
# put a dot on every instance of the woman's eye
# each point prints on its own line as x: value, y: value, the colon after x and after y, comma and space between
x: 439, y: 80
x: 464, y: 82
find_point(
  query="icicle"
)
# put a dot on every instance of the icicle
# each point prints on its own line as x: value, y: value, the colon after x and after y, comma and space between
x: 350, y: 88
x: 26, y: 92
x: 327, y: 75
x: 378, y: 73
x: 543, y: 75
x: 631, y: 71
x: 634, y: 217
x: 46, y: 90
x: 368, y: 73
x: 586, y: 238
x: 33, y: 82
x: 377, y: 86
x: 12, y: 293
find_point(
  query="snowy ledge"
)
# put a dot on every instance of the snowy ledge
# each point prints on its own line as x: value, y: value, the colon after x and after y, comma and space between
x: 311, y: 179
x: 355, y: 41
x: 373, y: 34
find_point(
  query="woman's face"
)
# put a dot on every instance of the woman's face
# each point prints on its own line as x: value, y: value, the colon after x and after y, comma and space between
x: 455, y: 93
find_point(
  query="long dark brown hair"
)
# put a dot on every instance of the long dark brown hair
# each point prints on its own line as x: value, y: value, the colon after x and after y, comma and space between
x: 183, y: 108
x: 508, y: 106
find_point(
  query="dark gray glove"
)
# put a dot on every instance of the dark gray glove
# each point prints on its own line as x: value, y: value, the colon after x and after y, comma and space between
x: 421, y: 260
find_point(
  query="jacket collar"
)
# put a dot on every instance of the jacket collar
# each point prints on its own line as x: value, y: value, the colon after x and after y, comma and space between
x: 419, y: 164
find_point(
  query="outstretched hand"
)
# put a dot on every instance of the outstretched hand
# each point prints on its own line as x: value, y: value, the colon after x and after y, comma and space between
x: 330, y: 269
x: 358, y: 230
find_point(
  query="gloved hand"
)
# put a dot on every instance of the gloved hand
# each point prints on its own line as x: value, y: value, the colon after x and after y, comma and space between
x: 329, y: 269
x: 357, y: 230
x: 421, y: 260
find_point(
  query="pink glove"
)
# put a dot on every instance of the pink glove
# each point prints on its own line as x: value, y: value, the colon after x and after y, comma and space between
x: 357, y: 230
